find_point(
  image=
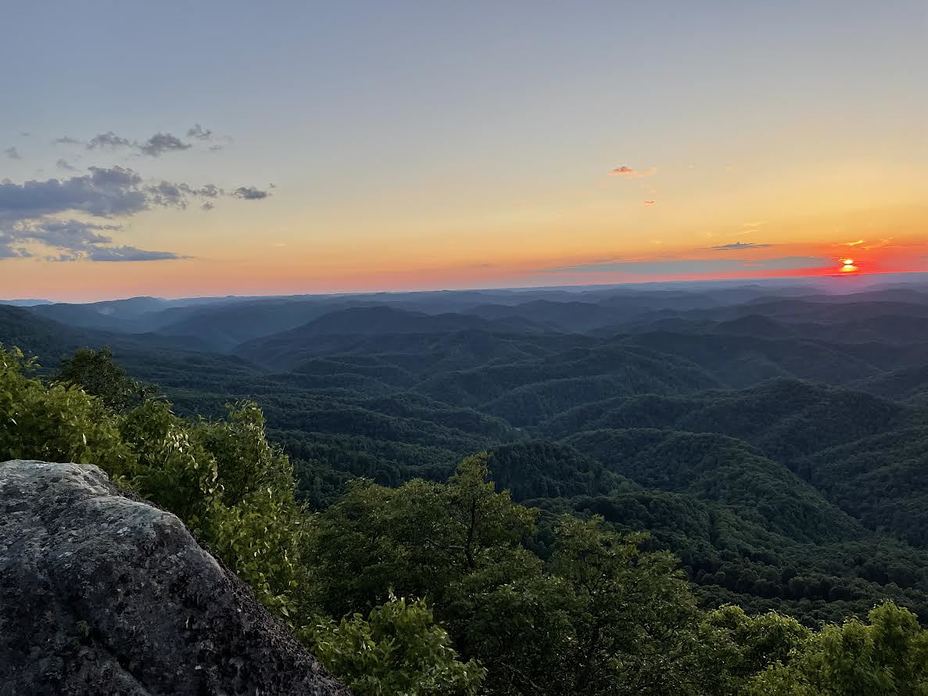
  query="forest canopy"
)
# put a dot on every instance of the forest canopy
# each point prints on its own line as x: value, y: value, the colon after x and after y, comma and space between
x: 443, y: 587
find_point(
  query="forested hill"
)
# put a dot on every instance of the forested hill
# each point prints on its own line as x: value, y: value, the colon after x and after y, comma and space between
x: 773, y: 437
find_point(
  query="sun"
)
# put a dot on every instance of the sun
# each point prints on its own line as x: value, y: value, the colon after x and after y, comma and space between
x: 847, y: 266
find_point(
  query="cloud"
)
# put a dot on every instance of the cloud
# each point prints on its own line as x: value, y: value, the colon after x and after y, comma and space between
x: 77, y: 214
x: 66, y: 140
x: 630, y: 173
x: 72, y: 235
x: 855, y: 243
x: 30, y: 213
x: 250, y: 193
x: 130, y: 253
x: 737, y: 246
x: 199, y: 132
x: 169, y: 194
x: 108, y: 140
x: 649, y: 203
x: 104, y: 192
x: 12, y: 153
x: 73, y: 240
x: 695, y: 266
x: 155, y: 146
x: 160, y: 143
x: 7, y: 250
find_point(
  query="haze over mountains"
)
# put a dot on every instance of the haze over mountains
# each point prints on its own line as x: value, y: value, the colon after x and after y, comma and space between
x: 774, y: 436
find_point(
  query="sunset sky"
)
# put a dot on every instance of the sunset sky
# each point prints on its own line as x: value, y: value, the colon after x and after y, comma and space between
x: 199, y: 148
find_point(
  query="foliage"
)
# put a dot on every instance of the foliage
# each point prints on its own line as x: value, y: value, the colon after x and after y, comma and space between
x: 223, y: 479
x: 887, y: 655
x: 97, y: 373
x: 56, y: 422
x: 443, y: 584
x: 397, y: 649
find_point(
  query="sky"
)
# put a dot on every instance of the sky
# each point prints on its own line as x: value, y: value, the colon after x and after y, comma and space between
x: 213, y: 148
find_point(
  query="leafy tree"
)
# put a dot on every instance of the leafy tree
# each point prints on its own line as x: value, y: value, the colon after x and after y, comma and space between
x: 398, y: 649
x: 633, y: 615
x: 58, y: 422
x: 256, y: 527
x: 887, y: 656
x: 97, y: 373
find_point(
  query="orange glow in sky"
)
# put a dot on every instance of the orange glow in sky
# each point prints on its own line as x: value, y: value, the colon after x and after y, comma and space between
x: 357, y: 151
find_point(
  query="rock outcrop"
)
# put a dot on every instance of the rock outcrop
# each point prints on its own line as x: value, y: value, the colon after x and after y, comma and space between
x: 100, y: 594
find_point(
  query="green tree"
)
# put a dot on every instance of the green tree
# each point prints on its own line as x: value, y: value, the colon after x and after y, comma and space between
x: 58, y: 423
x: 98, y: 374
x: 397, y: 649
x: 886, y: 657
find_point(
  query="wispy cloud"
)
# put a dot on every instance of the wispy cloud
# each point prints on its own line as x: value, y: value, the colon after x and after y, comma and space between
x: 738, y: 246
x: 250, y: 193
x: 108, y: 140
x: 73, y: 240
x: 12, y: 153
x: 160, y: 143
x: 649, y: 203
x: 199, y: 132
x: 666, y: 267
x: 65, y: 165
x: 130, y: 253
x: 627, y: 172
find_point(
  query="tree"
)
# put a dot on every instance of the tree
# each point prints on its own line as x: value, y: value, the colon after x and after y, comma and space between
x: 397, y: 649
x: 97, y: 374
x: 887, y: 656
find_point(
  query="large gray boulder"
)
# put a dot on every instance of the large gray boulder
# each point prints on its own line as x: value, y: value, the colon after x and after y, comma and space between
x: 100, y: 594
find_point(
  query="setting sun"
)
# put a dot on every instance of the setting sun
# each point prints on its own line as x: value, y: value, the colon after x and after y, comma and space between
x: 847, y: 266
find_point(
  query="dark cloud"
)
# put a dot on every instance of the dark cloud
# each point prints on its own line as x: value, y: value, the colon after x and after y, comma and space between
x: 199, y: 132
x: 108, y: 140
x: 104, y: 192
x: 735, y: 246
x: 250, y: 193
x: 12, y: 153
x: 66, y: 140
x: 160, y: 143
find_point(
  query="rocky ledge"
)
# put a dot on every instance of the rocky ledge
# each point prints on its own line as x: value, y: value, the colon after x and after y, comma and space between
x: 100, y: 594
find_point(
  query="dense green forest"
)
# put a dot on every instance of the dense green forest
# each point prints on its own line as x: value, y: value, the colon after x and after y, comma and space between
x: 711, y: 490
